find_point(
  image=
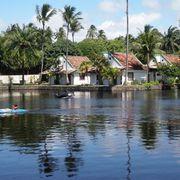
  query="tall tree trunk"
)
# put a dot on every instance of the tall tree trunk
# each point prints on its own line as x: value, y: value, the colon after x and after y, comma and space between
x: 42, y: 50
x: 73, y: 37
x: 67, y: 49
x: 23, y: 72
x: 148, y: 75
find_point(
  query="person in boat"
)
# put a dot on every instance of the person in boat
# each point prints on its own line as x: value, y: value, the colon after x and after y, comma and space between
x: 15, y: 107
x: 64, y: 93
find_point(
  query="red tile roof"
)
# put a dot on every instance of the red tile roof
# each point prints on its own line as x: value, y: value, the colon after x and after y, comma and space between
x: 172, y: 58
x: 77, y: 60
x: 133, y: 62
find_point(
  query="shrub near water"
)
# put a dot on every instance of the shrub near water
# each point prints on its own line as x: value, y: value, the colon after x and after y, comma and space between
x: 148, y: 85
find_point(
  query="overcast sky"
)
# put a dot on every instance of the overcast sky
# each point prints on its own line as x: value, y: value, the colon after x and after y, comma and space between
x: 108, y: 15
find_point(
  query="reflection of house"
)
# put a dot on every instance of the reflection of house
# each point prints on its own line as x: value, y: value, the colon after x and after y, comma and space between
x: 136, y: 70
x: 159, y: 60
x: 75, y: 77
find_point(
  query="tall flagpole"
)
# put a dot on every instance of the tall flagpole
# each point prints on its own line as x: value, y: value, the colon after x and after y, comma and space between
x: 127, y: 40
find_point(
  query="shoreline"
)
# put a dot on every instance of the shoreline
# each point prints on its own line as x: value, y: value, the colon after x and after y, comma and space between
x: 80, y: 87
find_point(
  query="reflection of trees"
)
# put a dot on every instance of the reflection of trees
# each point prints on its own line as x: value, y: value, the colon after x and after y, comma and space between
x: 96, y: 125
x: 47, y: 163
x: 74, y: 146
x: 173, y: 127
x: 148, y: 126
x: 27, y: 134
x: 148, y: 134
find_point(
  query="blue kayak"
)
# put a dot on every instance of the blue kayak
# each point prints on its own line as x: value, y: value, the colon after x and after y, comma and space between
x: 7, y: 110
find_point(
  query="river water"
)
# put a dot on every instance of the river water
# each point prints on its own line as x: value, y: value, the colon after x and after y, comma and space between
x: 94, y: 135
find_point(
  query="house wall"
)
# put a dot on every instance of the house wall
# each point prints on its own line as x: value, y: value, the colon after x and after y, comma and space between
x: 139, y: 75
x: 62, y: 62
x: 15, y: 79
x: 158, y: 59
x: 77, y: 81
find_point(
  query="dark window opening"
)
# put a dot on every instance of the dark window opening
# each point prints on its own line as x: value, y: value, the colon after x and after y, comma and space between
x: 82, y: 76
x: 130, y: 76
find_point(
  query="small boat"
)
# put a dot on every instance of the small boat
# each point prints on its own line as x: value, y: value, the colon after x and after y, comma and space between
x: 12, y: 111
x: 64, y: 95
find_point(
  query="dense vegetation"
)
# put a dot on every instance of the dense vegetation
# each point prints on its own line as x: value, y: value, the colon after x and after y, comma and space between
x: 32, y: 49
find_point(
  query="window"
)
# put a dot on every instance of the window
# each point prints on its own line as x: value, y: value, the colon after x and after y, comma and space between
x: 82, y: 76
x: 130, y: 76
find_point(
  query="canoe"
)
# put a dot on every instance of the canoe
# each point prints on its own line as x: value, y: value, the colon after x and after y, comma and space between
x: 64, y: 95
x: 7, y: 110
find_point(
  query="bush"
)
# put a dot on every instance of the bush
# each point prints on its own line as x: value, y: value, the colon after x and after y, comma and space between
x: 148, y: 85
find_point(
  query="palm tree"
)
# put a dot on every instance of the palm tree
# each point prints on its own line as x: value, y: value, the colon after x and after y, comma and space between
x: 75, y: 27
x: 69, y: 16
x: 21, y: 48
x: 101, y: 34
x: 148, y: 43
x: 171, y: 40
x: 43, y: 15
x: 61, y: 34
x: 92, y: 32
x: 85, y: 66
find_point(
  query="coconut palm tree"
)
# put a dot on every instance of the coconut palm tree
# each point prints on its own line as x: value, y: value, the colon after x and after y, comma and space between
x: 148, y: 43
x: 85, y: 66
x: 61, y: 34
x: 75, y: 27
x: 92, y: 32
x: 43, y: 15
x: 21, y: 48
x: 101, y: 35
x: 171, y: 40
x: 69, y: 16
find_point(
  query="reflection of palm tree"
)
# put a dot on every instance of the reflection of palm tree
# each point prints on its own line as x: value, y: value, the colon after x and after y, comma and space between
x: 74, y: 147
x: 47, y: 163
x: 148, y: 125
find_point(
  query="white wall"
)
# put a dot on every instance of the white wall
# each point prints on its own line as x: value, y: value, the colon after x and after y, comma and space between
x: 78, y: 81
x: 63, y: 63
x: 139, y: 75
x: 29, y: 79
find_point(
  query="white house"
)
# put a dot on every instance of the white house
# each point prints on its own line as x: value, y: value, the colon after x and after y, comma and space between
x: 158, y: 60
x: 136, y: 70
x: 75, y: 77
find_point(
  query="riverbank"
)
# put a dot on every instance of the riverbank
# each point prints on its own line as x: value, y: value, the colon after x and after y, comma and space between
x: 81, y: 87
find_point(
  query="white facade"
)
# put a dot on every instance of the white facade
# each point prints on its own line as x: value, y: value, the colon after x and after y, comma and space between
x: 16, y: 79
x: 137, y: 75
x: 74, y: 76
x: 158, y: 59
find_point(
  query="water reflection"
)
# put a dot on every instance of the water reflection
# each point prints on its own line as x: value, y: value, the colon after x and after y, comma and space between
x: 103, y: 133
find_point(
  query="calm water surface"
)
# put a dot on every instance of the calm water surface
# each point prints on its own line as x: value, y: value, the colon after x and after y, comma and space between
x: 125, y: 135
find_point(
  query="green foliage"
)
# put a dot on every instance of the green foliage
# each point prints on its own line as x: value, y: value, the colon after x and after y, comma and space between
x: 147, y: 43
x: 115, y: 45
x: 85, y: 66
x: 171, y: 40
x: 91, y: 46
x: 110, y: 73
x: 148, y: 85
x: 171, y: 74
